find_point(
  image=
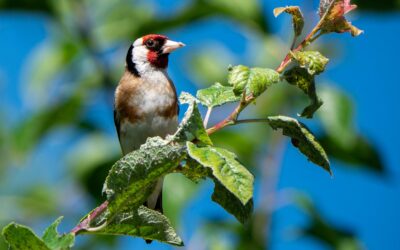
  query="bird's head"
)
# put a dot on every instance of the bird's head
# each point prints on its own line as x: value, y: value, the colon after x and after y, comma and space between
x: 150, y: 53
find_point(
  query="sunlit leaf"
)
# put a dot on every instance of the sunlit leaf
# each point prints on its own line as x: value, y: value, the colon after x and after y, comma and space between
x: 302, y: 139
x: 252, y: 80
x: 313, y: 61
x: 226, y: 169
x: 217, y: 95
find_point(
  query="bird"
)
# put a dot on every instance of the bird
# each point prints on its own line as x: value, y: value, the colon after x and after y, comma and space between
x: 145, y: 100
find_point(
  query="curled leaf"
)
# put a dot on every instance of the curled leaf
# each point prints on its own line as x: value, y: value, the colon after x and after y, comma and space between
x: 301, y: 78
x: 303, y: 139
x: 297, y: 17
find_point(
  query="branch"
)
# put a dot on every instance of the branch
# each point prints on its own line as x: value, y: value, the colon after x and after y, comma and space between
x: 311, y: 37
x: 232, y: 118
x: 85, y: 224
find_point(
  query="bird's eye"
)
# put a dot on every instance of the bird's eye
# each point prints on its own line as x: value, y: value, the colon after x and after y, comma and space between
x: 150, y: 43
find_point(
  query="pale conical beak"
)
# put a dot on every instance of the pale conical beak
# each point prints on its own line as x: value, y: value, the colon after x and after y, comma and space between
x: 170, y: 46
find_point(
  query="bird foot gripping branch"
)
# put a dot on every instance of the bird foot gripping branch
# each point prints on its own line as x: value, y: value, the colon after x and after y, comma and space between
x: 146, y: 111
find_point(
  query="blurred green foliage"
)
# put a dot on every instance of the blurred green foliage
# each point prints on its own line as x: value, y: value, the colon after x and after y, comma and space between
x: 82, y: 31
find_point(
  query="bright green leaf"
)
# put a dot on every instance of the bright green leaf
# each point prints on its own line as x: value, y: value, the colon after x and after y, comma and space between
x: 131, y: 178
x: 55, y: 241
x: 216, y: 95
x: 191, y: 127
x: 21, y: 237
x: 140, y: 222
x: 302, y: 138
x: 252, y: 80
x: 313, y: 61
x: 231, y: 204
x: 303, y: 80
x: 297, y: 17
x: 226, y: 169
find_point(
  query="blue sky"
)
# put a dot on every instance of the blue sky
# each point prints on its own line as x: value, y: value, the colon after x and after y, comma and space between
x: 366, y: 68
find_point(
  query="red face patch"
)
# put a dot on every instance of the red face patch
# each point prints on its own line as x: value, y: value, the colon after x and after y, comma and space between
x: 158, y: 60
x: 154, y: 43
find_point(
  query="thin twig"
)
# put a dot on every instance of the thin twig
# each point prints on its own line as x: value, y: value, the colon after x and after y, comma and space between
x: 84, y: 225
x: 207, y: 117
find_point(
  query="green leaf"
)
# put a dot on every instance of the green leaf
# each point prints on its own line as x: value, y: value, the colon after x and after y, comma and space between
x: 251, y: 80
x: 187, y: 98
x: 216, y: 95
x: 191, y: 127
x: 55, y: 241
x: 231, y: 204
x: 194, y: 171
x: 21, y: 237
x: 313, y: 61
x: 303, y: 80
x: 131, y: 178
x: 297, y: 17
x: 302, y: 138
x: 139, y: 222
x: 226, y: 169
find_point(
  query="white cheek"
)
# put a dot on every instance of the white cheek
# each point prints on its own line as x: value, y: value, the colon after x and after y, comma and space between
x: 139, y: 57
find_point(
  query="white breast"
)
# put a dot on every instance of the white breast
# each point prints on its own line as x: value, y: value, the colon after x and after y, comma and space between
x: 154, y: 94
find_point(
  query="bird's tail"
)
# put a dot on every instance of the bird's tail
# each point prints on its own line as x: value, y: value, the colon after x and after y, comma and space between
x: 154, y: 201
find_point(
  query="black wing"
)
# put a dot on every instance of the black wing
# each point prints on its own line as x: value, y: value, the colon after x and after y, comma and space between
x: 117, y: 123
